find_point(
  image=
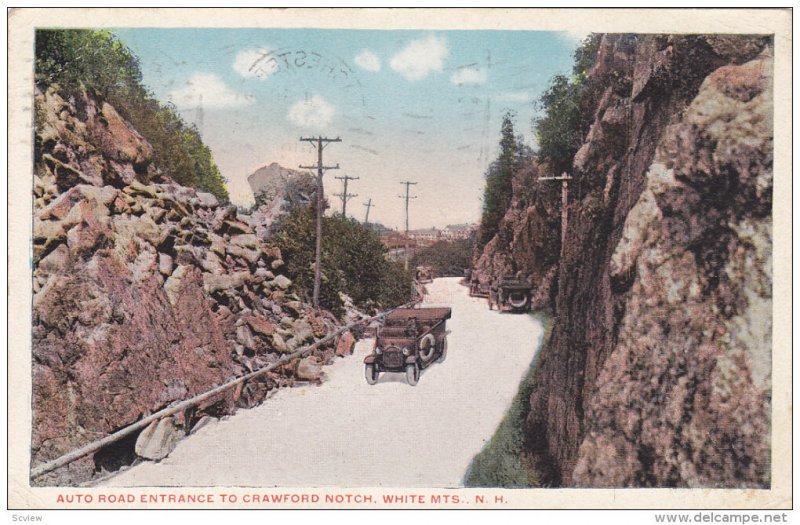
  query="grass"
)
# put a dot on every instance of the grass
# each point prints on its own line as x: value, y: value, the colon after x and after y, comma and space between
x: 503, y: 461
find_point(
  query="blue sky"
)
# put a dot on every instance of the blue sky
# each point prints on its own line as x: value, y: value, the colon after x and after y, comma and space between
x: 408, y: 105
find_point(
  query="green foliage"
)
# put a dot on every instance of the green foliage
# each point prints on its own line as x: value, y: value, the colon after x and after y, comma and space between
x: 447, y: 258
x: 498, y: 191
x: 503, y: 462
x: 353, y: 261
x: 565, y: 111
x: 78, y: 59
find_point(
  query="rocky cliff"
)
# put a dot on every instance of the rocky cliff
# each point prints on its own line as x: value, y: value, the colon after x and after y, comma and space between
x: 657, y: 371
x: 144, y: 292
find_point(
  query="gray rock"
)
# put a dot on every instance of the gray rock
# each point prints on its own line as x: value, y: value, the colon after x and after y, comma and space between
x: 158, y: 440
x: 173, y: 283
x: 245, y: 336
x: 55, y: 260
x: 212, y: 263
x: 213, y: 283
x: 279, y: 344
x: 281, y: 281
x: 245, y: 240
x: 302, y: 330
x: 206, y: 200
x: 165, y: 264
x: 251, y: 256
x: 277, y: 263
x: 309, y: 369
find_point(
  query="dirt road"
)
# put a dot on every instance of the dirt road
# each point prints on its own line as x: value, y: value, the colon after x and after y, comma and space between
x: 346, y: 433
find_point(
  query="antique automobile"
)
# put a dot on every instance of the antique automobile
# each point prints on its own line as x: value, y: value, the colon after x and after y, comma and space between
x: 424, y: 274
x: 476, y: 287
x: 409, y: 340
x: 512, y: 294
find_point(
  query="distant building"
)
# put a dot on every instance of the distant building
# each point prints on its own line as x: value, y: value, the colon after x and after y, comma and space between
x: 453, y: 232
x: 425, y: 236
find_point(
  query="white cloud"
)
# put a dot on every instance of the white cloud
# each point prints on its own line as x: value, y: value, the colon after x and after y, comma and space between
x: 314, y: 113
x: 468, y: 75
x: 254, y: 63
x: 420, y: 57
x: 515, y: 96
x: 368, y: 60
x: 212, y: 90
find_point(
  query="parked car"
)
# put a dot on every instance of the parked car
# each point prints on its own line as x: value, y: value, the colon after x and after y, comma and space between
x: 409, y: 340
x: 512, y: 294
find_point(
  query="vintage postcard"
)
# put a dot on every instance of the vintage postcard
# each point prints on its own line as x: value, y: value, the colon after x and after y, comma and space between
x: 388, y: 258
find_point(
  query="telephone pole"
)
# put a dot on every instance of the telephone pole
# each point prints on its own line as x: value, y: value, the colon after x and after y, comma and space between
x: 564, y: 178
x: 368, y: 205
x: 344, y: 195
x: 407, y: 196
x: 320, y: 143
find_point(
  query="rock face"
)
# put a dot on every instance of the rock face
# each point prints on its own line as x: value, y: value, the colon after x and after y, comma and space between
x: 278, y: 191
x: 684, y: 397
x: 657, y: 369
x: 144, y: 291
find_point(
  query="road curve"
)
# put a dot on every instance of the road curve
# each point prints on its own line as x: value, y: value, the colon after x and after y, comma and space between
x: 346, y: 433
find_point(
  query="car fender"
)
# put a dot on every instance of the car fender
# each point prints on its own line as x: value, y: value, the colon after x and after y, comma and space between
x: 410, y: 360
x: 370, y: 359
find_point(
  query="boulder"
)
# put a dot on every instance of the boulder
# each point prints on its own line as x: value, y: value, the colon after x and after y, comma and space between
x: 206, y: 200
x: 165, y: 264
x: 279, y: 344
x: 158, y: 440
x: 309, y: 369
x: 55, y: 261
x: 260, y: 325
x: 214, y: 283
x: 345, y: 344
x: 173, y: 284
x: 251, y: 256
x: 281, y: 281
x: 245, y: 336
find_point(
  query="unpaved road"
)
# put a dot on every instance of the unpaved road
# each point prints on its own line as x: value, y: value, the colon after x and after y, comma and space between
x: 346, y: 433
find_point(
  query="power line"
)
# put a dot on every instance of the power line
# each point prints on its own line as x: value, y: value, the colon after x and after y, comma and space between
x: 320, y: 143
x: 344, y: 195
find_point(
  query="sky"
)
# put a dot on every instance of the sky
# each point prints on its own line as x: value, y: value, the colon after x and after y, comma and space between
x: 423, y: 106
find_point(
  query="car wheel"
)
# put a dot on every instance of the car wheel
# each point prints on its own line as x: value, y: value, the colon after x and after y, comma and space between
x: 412, y: 374
x: 371, y: 374
x: 443, y: 353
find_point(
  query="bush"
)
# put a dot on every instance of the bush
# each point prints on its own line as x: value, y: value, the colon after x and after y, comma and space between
x: 566, y: 111
x: 78, y: 59
x: 447, y: 258
x: 353, y: 261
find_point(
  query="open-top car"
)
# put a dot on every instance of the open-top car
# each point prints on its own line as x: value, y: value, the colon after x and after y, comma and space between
x: 408, y: 340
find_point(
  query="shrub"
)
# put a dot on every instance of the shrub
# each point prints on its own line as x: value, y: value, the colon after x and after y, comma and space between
x: 78, y: 59
x: 353, y: 261
x: 447, y: 258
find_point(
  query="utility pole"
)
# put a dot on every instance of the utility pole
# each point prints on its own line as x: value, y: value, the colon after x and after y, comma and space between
x: 368, y: 205
x: 344, y: 195
x: 407, y: 196
x: 320, y: 143
x: 564, y: 178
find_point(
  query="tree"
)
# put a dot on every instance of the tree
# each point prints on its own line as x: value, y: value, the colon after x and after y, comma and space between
x: 498, y: 191
x: 565, y: 111
x: 353, y: 261
x: 96, y: 61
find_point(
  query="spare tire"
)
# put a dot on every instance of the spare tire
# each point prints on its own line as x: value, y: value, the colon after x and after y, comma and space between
x: 518, y: 300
